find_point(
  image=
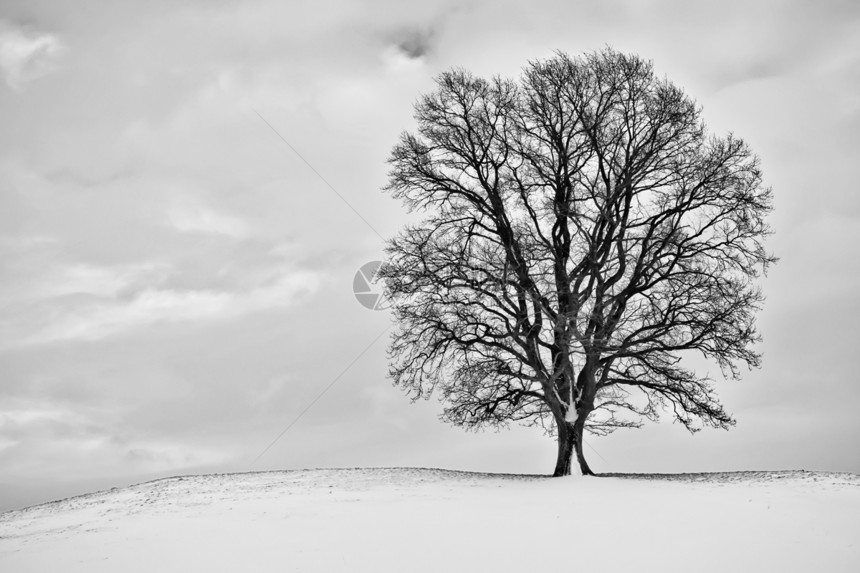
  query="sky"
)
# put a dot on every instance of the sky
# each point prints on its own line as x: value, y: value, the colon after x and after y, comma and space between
x: 187, y: 190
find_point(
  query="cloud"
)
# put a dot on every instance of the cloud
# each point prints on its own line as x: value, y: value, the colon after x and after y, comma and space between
x: 19, y: 423
x: 97, y: 280
x: 415, y: 43
x: 57, y: 285
x: 408, y: 49
x: 26, y: 54
x: 31, y: 432
x: 396, y: 60
x: 92, y: 321
x: 189, y: 217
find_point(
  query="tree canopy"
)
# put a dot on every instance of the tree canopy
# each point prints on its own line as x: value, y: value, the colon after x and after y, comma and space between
x: 581, y: 234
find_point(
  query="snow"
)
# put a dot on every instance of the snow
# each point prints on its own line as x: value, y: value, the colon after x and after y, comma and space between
x: 570, y: 415
x: 434, y: 520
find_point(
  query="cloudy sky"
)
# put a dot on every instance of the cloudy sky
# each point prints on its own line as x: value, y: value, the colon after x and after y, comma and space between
x: 176, y: 280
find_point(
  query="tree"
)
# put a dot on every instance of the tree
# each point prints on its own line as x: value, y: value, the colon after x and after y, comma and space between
x: 582, y: 234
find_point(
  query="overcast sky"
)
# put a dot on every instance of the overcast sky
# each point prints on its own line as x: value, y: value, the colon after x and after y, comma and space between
x: 176, y: 282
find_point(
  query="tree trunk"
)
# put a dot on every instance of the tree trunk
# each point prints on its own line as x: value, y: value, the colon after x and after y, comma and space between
x: 570, y: 441
x: 565, y: 449
x: 578, y: 431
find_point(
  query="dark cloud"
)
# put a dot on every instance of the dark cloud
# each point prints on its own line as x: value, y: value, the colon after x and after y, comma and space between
x: 415, y: 43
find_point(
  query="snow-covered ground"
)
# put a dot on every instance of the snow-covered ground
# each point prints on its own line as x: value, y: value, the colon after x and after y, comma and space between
x: 412, y: 520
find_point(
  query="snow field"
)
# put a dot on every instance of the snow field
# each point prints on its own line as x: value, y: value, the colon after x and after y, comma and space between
x: 419, y: 520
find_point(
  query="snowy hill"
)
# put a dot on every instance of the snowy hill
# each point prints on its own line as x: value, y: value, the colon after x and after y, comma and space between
x: 415, y: 520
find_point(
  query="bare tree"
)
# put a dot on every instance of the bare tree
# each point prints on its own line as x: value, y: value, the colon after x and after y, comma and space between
x: 582, y: 234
